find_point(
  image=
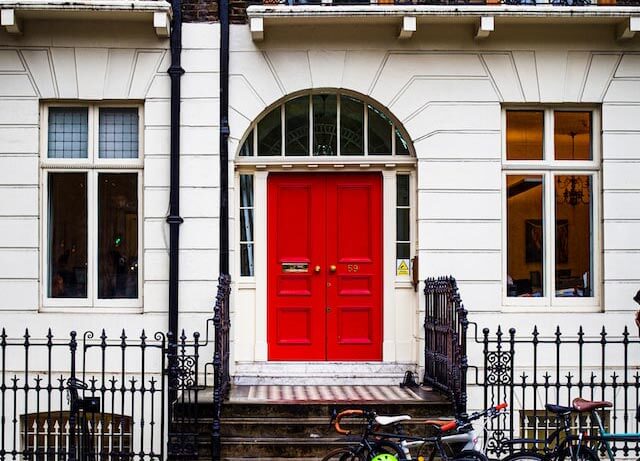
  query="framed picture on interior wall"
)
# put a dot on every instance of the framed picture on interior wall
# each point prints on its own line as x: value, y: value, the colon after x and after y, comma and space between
x: 533, y: 240
x: 562, y: 241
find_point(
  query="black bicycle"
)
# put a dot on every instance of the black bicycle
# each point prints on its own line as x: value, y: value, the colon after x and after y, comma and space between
x: 393, y: 444
x: 82, y: 411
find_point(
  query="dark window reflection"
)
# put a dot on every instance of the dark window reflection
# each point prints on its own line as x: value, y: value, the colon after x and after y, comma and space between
x: 351, y: 126
x: 270, y: 133
x: 402, y: 147
x: 525, y: 236
x: 325, y: 124
x: 525, y: 130
x: 67, y: 235
x: 379, y: 132
x: 297, y: 126
x: 574, y: 273
x: 117, y: 235
x: 247, y: 148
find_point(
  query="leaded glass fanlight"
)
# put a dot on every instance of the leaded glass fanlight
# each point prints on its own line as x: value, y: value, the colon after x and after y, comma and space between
x: 323, y: 125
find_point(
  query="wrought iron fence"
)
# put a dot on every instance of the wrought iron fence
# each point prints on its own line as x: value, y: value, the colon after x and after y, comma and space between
x: 88, y: 397
x: 535, y: 369
x: 82, y: 397
x: 221, y: 359
x: 445, y: 333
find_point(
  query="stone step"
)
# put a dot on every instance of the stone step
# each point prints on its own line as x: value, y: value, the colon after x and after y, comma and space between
x: 257, y: 426
x: 321, y: 373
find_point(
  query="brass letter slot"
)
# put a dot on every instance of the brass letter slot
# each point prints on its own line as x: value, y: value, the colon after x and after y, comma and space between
x: 295, y: 267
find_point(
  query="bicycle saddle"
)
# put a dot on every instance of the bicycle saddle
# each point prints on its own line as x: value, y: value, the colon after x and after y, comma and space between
x: 559, y: 409
x: 386, y: 420
x: 581, y: 405
x: 438, y: 422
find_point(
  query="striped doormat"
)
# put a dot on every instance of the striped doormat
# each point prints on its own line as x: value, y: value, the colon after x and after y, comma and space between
x: 273, y: 393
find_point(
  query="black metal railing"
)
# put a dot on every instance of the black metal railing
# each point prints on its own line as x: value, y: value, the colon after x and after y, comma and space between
x: 445, y: 334
x: 551, y: 367
x: 82, y: 397
x: 221, y: 359
x: 88, y: 397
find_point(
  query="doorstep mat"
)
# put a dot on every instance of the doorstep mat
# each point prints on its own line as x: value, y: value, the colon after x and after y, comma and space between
x: 331, y: 393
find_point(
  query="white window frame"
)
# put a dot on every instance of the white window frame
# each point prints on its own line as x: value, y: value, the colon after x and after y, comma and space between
x: 549, y: 168
x: 92, y: 166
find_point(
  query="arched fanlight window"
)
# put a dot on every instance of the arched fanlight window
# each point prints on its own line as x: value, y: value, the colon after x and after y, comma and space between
x: 324, y: 124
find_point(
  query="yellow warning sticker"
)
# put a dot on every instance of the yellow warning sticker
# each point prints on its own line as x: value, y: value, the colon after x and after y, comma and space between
x: 402, y: 267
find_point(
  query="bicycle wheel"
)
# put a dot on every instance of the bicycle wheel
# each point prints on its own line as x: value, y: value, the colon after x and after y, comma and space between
x: 383, y: 447
x: 524, y: 456
x: 343, y: 454
x: 584, y: 454
x: 470, y: 455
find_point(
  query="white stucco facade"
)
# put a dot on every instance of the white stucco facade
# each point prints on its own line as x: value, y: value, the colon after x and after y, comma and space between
x: 448, y: 91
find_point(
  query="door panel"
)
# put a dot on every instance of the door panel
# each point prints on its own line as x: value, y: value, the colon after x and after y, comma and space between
x: 295, y: 317
x: 354, y: 247
x: 321, y: 221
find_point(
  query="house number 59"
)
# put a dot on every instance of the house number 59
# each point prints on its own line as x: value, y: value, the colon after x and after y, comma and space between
x: 353, y: 267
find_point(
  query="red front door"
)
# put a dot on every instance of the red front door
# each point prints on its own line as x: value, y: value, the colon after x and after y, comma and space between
x: 324, y: 267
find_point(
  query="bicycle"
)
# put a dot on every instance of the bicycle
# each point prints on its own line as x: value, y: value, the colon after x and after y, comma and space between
x: 382, y: 446
x: 565, y: 449
x: 601, y: 442
x: 83, y: 449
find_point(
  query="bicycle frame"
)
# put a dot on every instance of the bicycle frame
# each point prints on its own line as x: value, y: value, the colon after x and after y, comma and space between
x: 605, y: 437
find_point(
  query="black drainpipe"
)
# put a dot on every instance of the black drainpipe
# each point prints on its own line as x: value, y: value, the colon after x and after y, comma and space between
x: 224, y: 136
x: 175, y: 72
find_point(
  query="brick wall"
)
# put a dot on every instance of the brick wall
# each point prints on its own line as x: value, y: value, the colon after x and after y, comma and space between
x: 207, y: 11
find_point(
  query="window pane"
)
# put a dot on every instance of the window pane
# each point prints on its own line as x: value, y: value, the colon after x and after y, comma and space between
x: 67, y: 235
x: 270, y: 133
x: 572, y: 136
x: 246, y: 225
x: 574, y: 272
x: 351, y: 126
x: 325, y: 121
x: 402, y: 226
x: 297, y: 126
x: 247, y: 148
x: 379, y: 132
x: 402, y: 190
x: 402, y: 147
x: 118, y: 137
x: 524, y: 134
x: 402, y: 250
x: 525, y: 236
x: 246, y: 259
x: 68, y: 127
x: 117, y: 235
x: 246, y: 190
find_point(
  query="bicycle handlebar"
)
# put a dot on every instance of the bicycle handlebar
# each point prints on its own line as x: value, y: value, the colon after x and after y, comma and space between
x: 342, y: 414
x: 78, y: 384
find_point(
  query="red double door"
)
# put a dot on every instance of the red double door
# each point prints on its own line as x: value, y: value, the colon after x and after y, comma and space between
x: 324, y: 267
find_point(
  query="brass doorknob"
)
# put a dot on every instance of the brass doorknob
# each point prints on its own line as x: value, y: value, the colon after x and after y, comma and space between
x: 316, y: 269
x: 332, y: 268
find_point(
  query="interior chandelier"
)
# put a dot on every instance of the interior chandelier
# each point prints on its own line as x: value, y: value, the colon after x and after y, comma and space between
x: 573, y: 190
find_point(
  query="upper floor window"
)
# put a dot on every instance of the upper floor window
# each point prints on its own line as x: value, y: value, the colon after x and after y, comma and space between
x: 551, y: 174
x: 325, y: 124
x: 92, y: 170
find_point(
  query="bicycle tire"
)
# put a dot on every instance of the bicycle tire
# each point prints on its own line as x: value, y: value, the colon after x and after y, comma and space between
x: 470, y: 455
x: 343, y: 454
x: 382, y: 446
x: 524, y: 455
x: 585, y: 454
